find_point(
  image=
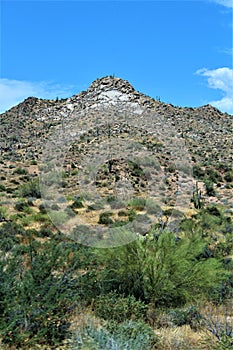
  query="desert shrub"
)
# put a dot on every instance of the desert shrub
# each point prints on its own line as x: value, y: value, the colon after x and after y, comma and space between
x: 11, y: 229
x: 35, y: 302
x: 22, y: 206
x: 55, y: 207
x: 113, y: 306
x: 15, y: 182
x: 210, y: 191
x: 118, y: 223
x: 136, y: 330
x: 45, y: 232
x: 165, y: 270
x: 171, y: 168
x: 187, y: 316
x: 77, y: 204
x: 213, y: 210
x: 222, y: 249
x: 2, y: 188
x: 128, y: 335
x: 213, y: 175
x: 9, y: 236
x: 225, y: 343
x: 228, y: 176
x: 131, y: 213
x: 225, y: 290
x: 137, y: 203
x: 105, y: 219
x: 10, y: 190
x: 20, y: 171
x: 30, y: 189
x: 122, y: 213
x: 42, y: 209
x: 217, y: 320
x: 229, y: 185
x: 198, y: 172
x: 41, y: 217
x: 210, y: 217
x: 95, y: 206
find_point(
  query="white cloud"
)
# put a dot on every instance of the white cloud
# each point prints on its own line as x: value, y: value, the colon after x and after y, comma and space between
x: 226, y: 3
x: 13, y: 92
x: 221, y: 79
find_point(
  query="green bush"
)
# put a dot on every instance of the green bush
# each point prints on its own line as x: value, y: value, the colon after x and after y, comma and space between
x: 9, y: 236
x: 77, y: 204
x: 187, y: 316
x: 20, y: 171
x: 210, y: 191
x: 165, y: 270
x: 35, y: 302
x: 113, y: 306
x: 210, y: 217
x: 30, y: 189
x: 2, y: 188
x: 22, y: 206
x: 228, y: 176
x: 198, y: 172
x: 213, y: 175
x: 137, y: 203
x: 105, y: 219
x: 41, y: 217
x: 213, y: 210
x: 131, y: 213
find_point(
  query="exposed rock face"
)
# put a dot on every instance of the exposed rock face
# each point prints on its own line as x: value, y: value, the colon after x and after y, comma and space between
x: 112, y: 90
x: 110, y: 83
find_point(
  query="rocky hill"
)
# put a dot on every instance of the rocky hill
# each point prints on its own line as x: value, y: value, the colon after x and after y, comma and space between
x: 107, y: 121
x: 205, y: 128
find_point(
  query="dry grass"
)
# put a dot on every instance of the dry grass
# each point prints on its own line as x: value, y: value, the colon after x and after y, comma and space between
x: 183, y: 338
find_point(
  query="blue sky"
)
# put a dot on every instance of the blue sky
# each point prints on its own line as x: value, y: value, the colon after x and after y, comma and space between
x: 180, y: 51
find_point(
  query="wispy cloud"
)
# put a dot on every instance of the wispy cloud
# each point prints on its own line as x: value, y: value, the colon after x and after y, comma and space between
x: 226, y: 3
x: 13, y: 92
x: 221, y: 79
x: 227, y: 51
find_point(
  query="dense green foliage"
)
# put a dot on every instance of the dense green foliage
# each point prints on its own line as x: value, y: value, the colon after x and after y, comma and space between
x: 45, y: 278
x: 165, y: 271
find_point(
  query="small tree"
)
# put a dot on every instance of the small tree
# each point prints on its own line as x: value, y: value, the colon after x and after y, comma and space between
x: 164, y: 271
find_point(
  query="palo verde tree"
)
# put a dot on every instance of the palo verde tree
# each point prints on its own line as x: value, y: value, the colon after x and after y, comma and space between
x: 164, y: 270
